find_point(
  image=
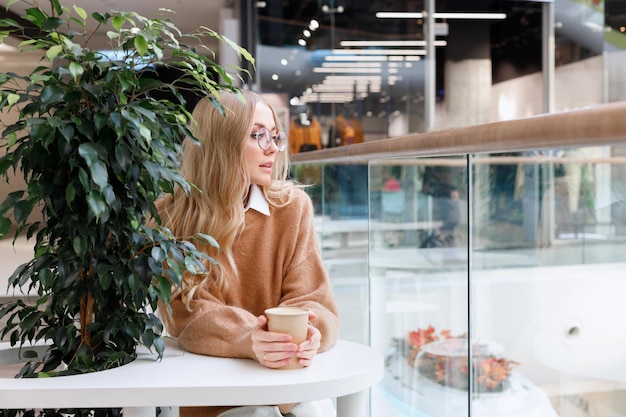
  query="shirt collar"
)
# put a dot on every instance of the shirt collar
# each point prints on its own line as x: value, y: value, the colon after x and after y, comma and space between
x: 257, y: 201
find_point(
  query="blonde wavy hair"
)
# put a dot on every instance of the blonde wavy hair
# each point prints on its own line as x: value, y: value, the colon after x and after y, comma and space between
x: 217, y: 168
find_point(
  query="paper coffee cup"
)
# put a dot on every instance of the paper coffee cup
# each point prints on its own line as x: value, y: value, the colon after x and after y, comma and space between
x: 293, y: 321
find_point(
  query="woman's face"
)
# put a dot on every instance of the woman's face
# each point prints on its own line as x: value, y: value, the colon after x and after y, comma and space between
x: 260, y: 162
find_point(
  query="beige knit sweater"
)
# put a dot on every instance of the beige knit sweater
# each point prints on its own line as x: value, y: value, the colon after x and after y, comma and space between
x: 279, y: 263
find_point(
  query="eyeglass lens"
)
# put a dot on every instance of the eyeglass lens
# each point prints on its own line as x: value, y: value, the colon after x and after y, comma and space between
x: 264, y: 139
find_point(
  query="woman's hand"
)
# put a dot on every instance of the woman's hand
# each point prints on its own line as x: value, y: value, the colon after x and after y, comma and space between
x: 308, y: 348
x: 275, y: 350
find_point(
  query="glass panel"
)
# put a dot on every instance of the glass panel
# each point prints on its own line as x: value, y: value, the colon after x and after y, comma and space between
x: 339, y: 194
x: 547, y: 282
x: 418, y: 285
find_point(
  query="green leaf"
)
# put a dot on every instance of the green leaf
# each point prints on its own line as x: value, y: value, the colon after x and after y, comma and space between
x: 118, y: 22
x: 123, y: 156
x: 70, y: 193
x: 133, y: 282
x: 191, y: 265
x: 5, y: 162
x: 79, y: 244
x: 10, y: 200
x: 45, y: 277
x: 5, y: 226
x: 51, y: 94
x: 99, y: 17
x: 165, y: 287
x: 89, y: 152
x: 158, y: 254
x: 57, y: 6
x: 12, y: 98
x: 36, y: 16
x: 96, y: 204
x: 53, y: 52
x: 80, y: 12
x: 22, y: 210
x: 99, y: 173
x: 76, y: 70
x: 84, y: 179
x: 145, y: 132
x: 141, y: 45
x: 159, y: 345
x: 29, y: 354
x: 106, y: 280
x: 31, y: 320
x: 6, y: 22
x: 204, y: 238
x: 39, y: 131
x: 51, y: 23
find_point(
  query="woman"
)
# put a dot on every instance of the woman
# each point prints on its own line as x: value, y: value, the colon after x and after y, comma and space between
x: 268, y: 252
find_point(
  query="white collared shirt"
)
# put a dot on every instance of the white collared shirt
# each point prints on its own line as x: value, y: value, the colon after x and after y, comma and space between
x: 257, y: 201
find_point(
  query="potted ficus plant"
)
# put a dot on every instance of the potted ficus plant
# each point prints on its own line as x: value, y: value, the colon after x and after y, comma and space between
x: 96, y: 140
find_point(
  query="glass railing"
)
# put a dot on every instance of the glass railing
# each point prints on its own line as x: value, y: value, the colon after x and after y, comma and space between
x: 486, y: 263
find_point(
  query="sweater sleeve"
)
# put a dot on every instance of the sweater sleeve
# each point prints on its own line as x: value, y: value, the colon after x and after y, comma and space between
x: 305, y: 282
x: 212, y: 327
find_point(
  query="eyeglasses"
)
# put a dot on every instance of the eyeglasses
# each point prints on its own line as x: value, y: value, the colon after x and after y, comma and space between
x: 264, y: 138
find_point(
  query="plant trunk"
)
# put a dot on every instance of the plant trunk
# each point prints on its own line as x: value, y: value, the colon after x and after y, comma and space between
x: 86, y: 308
x: 86, y: 313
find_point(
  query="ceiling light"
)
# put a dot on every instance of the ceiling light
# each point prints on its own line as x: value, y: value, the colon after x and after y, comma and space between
x: 314, y: 24
x: 383, y: 43
x: 323, y: 98
x: 301, y: 42
x: 306, y: 33
x: 354, y: 77
x: 380, y: 51
x: 391, y: 43
x: 346, y: 89
x: 351, y: 64
x: 348, y: 70
x: 399, y: 15
x: 283, y: 62
x: 471, y: 16
x: 326, y: 9
x: 437, y: 15
x: 355, y: 58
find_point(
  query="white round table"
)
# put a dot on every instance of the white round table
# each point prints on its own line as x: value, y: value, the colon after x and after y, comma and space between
x: 344, y: 372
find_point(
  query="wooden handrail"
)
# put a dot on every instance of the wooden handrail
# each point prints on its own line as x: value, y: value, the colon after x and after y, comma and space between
x: 603, y: 124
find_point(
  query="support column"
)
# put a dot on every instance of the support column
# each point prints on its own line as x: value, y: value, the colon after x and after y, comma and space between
x: 467, y: 75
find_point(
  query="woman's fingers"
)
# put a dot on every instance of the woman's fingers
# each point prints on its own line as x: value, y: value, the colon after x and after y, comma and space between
x: 274, y: 350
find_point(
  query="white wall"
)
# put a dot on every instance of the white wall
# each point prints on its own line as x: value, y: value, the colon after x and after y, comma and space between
x: 576, y: 85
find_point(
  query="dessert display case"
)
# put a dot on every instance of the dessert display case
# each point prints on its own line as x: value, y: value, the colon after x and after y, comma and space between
x: 430, y: 375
